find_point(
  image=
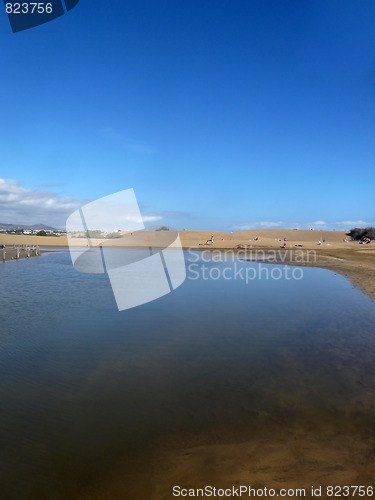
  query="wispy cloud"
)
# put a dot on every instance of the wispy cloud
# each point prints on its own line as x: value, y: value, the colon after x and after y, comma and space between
x: 151, y: 218
x: 20, y: 205
x: 345, y: 225
x: 356, y: 223
x: 258, y: 225
x: 47, y: 185
x: 119, y: 138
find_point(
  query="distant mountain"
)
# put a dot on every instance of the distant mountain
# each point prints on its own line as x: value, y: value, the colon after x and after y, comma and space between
x: 25, y: 226
x: 41, y: 226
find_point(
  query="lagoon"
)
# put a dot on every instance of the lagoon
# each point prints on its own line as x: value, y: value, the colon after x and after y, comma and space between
x: 221, y: 380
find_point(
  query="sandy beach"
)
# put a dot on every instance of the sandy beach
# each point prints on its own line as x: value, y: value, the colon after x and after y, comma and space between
x: 331, y: 249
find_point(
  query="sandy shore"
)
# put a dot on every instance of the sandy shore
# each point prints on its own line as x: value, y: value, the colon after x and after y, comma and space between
x: 331, y: 251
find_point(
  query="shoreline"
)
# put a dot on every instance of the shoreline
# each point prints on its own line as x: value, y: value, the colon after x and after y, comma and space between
x: 361, y: 273
x: 332, y: 250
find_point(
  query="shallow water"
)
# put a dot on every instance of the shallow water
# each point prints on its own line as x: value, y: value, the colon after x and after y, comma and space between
x: 89, y: 395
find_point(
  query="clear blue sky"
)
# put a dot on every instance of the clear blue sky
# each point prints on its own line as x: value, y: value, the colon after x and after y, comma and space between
x: 220, y: 114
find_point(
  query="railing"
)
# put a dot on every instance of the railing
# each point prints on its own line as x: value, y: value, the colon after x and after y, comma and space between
x: 18, y: 251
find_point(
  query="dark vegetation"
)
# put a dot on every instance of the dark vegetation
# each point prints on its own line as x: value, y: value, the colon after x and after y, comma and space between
x: 358, y: 233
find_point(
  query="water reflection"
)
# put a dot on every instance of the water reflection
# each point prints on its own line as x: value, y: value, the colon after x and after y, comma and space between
x: 101, y: 404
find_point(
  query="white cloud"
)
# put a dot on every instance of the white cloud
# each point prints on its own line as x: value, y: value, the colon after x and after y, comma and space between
x: 151, y: 218
x: 357, y: 223
x: 258, y: 225
x: 20, y: 205
x: 345, y: 225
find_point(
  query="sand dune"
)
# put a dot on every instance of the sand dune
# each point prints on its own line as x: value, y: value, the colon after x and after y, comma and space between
x: 266, y: 237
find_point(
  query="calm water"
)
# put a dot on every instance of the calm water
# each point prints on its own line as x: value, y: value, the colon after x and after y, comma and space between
x: 89, y: 395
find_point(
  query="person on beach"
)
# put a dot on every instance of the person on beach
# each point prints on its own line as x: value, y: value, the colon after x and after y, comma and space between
x: 210, y: 241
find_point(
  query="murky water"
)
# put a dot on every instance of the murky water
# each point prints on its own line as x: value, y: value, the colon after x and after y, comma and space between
x: 89, y: 395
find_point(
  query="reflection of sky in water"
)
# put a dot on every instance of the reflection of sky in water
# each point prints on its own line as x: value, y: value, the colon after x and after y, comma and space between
x: 85, y: 387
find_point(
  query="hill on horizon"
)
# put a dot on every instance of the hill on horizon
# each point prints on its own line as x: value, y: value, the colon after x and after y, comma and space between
x: 3, y: 225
